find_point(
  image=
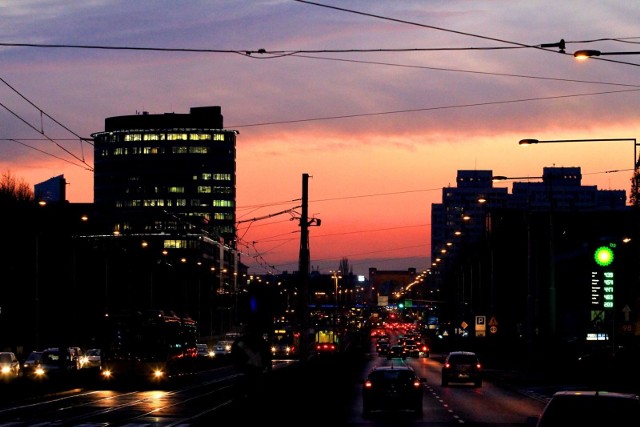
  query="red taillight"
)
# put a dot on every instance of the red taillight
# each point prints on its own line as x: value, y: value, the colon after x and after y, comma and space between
x: 367, y: 384
x: 416, y: 383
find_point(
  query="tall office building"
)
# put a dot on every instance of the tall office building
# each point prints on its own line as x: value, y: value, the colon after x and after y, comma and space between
x: 169, y: 175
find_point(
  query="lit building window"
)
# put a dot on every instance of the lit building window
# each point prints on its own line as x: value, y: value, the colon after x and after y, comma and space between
x: 198, y: 150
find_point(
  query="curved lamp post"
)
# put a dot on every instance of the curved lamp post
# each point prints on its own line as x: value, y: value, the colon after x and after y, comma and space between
x: 587, y: 53
x: 530, y: 141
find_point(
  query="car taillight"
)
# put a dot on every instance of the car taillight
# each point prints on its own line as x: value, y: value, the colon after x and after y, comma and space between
x: 416, y: 383
x: 368, y: 384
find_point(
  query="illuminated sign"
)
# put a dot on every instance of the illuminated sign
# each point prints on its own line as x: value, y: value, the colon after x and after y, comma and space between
x: 602, y: 278
x: 603, y: 256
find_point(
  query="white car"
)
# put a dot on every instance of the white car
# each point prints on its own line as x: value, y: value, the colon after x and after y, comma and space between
x: 9, y: 365
x: 92, y: 359
x: 203, y: 350
x: 222, y: 347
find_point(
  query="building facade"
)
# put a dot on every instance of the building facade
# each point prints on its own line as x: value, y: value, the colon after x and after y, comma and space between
x: 170, y: 174
x: 165, y: 202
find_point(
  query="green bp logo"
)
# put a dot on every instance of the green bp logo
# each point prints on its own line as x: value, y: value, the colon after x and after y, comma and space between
x: 603, y: 256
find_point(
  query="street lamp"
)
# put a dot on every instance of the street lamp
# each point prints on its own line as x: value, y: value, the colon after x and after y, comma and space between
x: 530, y: 141
x: 335, y: 311
x: 584, y: 54
x: 530, y: 301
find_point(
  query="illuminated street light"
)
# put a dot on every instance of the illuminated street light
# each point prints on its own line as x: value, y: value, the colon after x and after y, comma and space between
x: 584, y: 54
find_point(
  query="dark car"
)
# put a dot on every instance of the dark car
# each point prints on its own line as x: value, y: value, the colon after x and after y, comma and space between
x: 382, y: 348
x: 58, y: 362
x: 397, y: 351
x: 582, y: 408
x: 412, y: 350
x: 392, y: 388
x: 31, y: 363
x: 462, y: 367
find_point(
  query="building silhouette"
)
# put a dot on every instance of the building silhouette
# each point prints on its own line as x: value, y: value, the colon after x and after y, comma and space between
x: 167, y: 174
x: 522, y: 264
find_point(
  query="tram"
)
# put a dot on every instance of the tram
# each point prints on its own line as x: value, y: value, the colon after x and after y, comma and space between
x: 152, y: 346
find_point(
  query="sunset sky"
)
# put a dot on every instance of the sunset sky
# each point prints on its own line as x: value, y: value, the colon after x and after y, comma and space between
x: 381, y: 102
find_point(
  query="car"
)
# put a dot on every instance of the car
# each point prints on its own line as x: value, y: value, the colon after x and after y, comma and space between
x: 462, y: 367
x: 589, y: 407
x: 202, y: 351
x: 397, y: 351
x: 77, y: 356
x: 382, y: 347
x: 92, y: 359
x: 222, y: 348
x: 412, y: 350
x: 394, y: 387
x: 57, y: 361
x: 424, y: 350
x: 31, y: 363
x: 9, y: 365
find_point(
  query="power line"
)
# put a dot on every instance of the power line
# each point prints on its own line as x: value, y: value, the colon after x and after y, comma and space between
x: 446, y: 107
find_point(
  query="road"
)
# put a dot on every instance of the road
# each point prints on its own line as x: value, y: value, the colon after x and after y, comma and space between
x: 322, y: 391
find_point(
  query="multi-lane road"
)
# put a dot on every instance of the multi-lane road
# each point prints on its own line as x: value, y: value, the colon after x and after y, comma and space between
x: 320, y: 392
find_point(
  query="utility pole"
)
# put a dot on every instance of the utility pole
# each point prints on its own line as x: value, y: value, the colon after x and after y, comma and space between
x: 303, y: 272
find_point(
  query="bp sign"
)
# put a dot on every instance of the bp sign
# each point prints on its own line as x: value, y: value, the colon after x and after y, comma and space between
x: 603, y: 256
x: 602, y: 278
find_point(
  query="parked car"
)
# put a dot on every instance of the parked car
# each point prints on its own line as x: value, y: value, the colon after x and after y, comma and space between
x: 31, y: 364
x: 9, y: 365
x: 395, y: 387
x: 582, y: 408
x: 462, y: 367
x: 92, y: 359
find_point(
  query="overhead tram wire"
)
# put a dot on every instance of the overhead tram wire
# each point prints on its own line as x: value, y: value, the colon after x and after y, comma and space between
x: 446, y: 107
x: 41, y: 131
x: 88, y: 167
x: 432, y: 27
x: 47, y: 153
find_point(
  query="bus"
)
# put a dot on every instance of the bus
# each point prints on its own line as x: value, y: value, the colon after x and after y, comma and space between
x: 152, y: 345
